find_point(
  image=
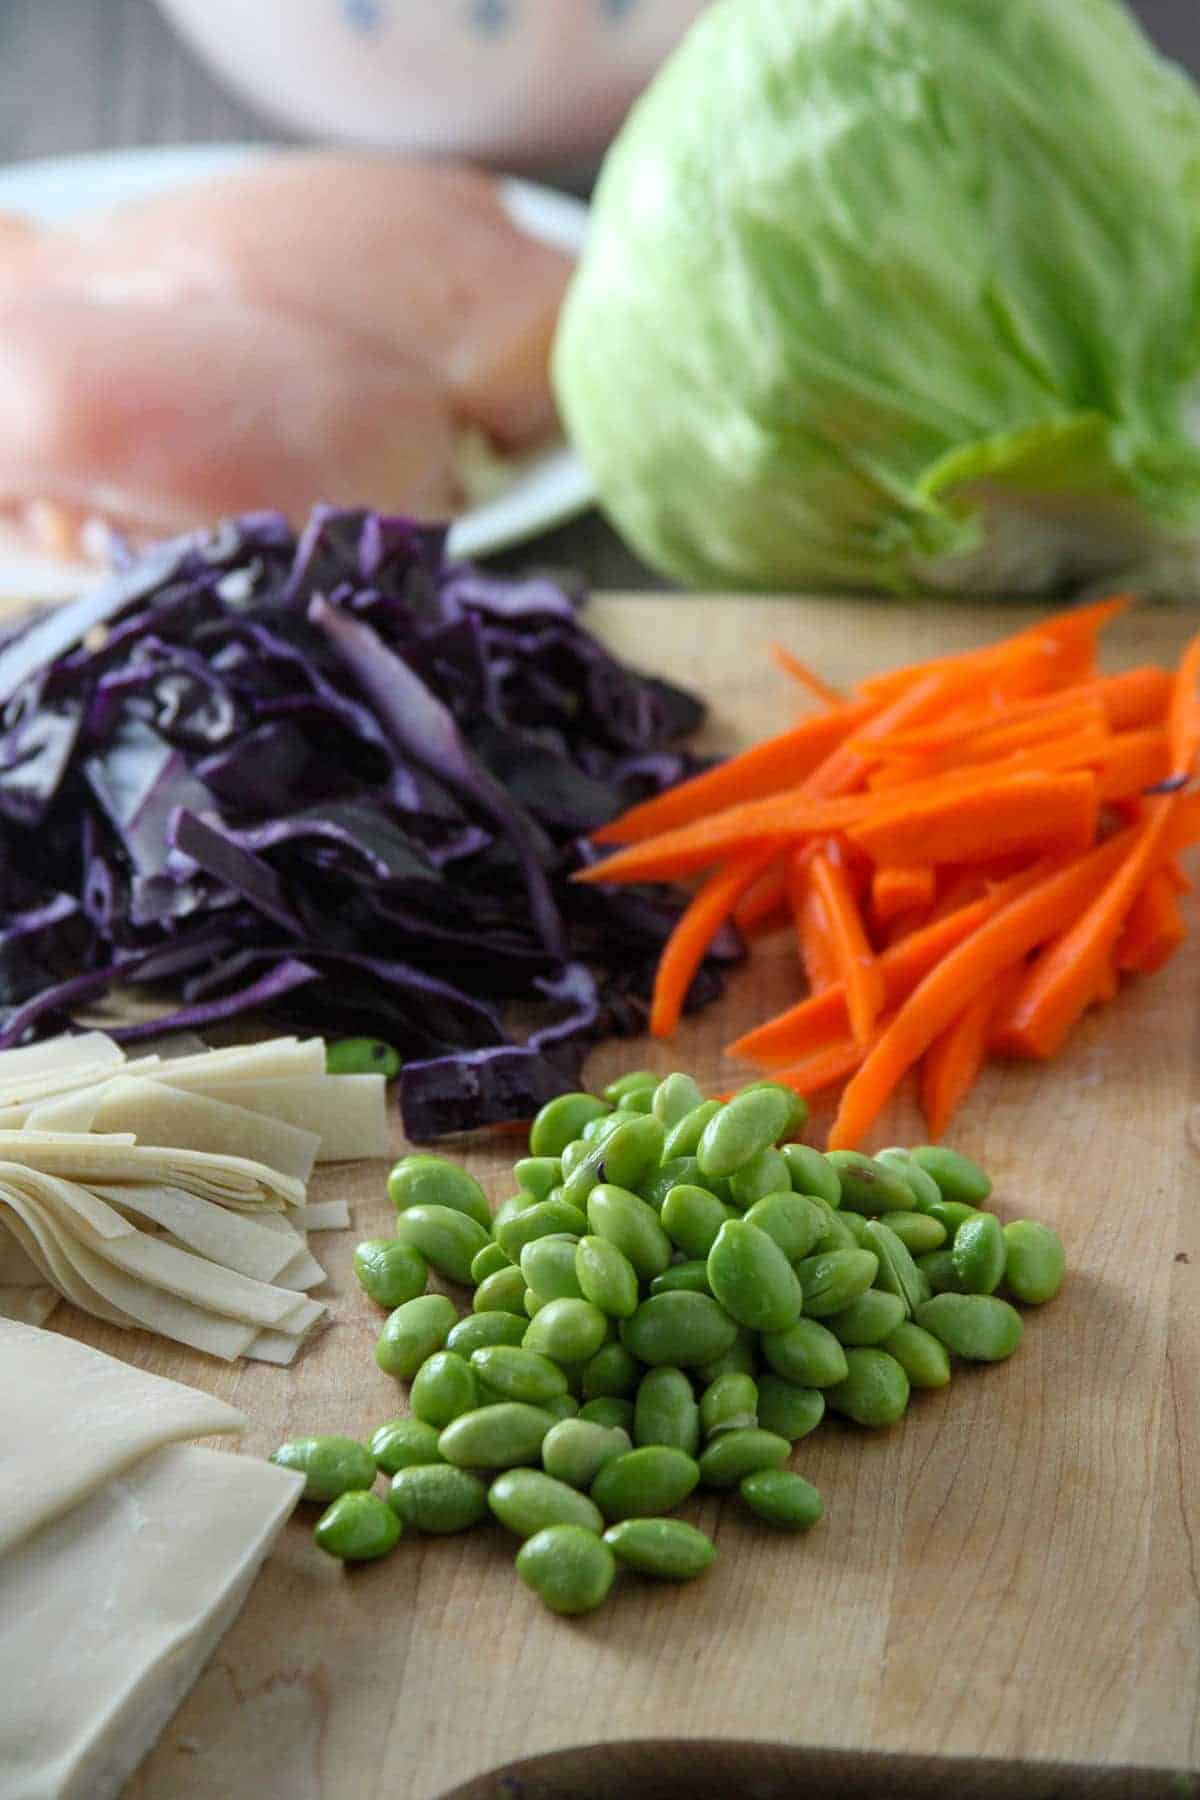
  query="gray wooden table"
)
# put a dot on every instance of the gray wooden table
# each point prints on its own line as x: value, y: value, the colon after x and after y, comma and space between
x: 80, y: 75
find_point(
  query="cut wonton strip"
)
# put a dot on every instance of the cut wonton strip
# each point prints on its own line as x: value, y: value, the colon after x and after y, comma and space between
x: 348, y: 1112
x: 229, y: 1180
x: 236, y: 1240
x: 27, y: 1305
x: 287, y: 1058
x: 73, y: 1050
x: 78, y: 1419
x: 109, y: 1614
x: 325, y: 1215
x: 175, y: 1118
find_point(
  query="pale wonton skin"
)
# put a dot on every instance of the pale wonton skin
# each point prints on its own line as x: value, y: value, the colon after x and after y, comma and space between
x: 315, y: 327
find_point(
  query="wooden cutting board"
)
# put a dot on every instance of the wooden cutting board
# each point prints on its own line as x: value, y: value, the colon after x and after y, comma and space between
x: 1011, y: 1576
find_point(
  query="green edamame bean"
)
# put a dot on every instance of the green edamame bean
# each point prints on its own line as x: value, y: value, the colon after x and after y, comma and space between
x: 766, y: 1173
x: 437, y: 1498
x: 628, y: 1222
x: 839, y: 1231
x: 389, y: 1271
x: 739, y: 1359
x: 680, y: 1328
x: 402, y: 1444
x: 665, y: 1411
x: 639, y: 1101
x: 832, y: 1279
x: 679, y: 1171
x: 487, y: 1262
x: 574, y: 1155
x: 569, y: 1331
x: 570, y: 1569
x: 898, y: 1273
x: 536, y: 1175
x: 422, y: 1180
x: 674, y: 1098
x: 330, y: 1465
x: 730, y: 1457
x: 575, y: 1450
x: 528, y: 1500
x: 782, y: 1499
x: 518, y: 1374
x: 502, y: 1292
x: 683, y: 1137
x: 362, y: 1056
x: 812, y: 1173
x: 795, y: 1221
x: 871, y: 1187
x: 561, y: 1120
x: 358, y: 1527
x: 606, y: 1277
x: 412, y: 1332
x: 548, y: 1265
x: 875, y: 1391
x: 609, y: 1411
x: 977, y: 1327
x: 561, y: 1406
x: 632, y: 1154
x: 612, y: 1373
x: 632, y: 1083
x: 789, y: 1411
x: 546, y: 1218
x: 951, y: 1214
x: 730, y: 1403
x: 979, y: 1254
x: 691, y: 1218
x: 496, y: 1437
x: 920, y: 1355
x: 643, y: 1483
x: 798, y: 1115
x: 925, y: 1189
x: 869, y: 1319
x: 958, y: 1178
x: 533, y: 1304
x: 448, y: 1240
x: 668, y: 1548
x: 479, y: 1329
x: 938, y: 1268
x: 752, y: 1278
x: 585, y: 1173
x: 509, y: 1208
x: 443, y: 1387
x: 1036, y: 1261
x: 690, y: 1276
x: 748, y: 1123
x: 919, y: 1232
x: 806, y: 1353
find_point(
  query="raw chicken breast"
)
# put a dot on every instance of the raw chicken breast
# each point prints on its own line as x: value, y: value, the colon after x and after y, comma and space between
x: 160, y: 418
x: 318, y: 326
x: 420, y: 259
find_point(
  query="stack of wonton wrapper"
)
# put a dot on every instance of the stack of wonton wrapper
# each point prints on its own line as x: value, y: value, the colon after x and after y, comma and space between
x: 170, y: 1192
x: 125, y: 1554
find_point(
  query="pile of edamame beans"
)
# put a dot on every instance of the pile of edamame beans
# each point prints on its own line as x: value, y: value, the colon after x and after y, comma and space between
x: 674, y: 1296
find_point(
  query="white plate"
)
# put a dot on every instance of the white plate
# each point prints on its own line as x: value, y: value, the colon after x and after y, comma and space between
x: 547, y: 488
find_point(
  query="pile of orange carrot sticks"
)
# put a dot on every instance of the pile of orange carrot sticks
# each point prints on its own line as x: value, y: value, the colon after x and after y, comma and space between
x: 971, y: 851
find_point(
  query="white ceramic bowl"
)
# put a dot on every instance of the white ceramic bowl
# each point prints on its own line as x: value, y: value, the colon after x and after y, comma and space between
x: 520, y: 82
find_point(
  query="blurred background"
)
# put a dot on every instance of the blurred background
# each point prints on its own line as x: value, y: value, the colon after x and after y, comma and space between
x: 114, y: 73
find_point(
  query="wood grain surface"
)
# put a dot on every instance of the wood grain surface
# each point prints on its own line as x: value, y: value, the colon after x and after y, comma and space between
x: 1010, y: 1576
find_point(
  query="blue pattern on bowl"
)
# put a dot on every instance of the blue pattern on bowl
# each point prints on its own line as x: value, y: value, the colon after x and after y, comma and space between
x: 486, y: 18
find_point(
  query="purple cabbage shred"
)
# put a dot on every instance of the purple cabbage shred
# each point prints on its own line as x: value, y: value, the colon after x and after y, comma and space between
x: 339, y: 778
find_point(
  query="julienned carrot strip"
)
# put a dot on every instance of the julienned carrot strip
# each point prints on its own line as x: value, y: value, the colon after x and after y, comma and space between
x: 1031, y: 812
x: 778, y: 763
x: 857, y: 967
x: 951, y: 1064
x: 845, y: 769
x: 1071, y: 971
x: 1154, y: 928
x: 811, y: 925
x: 823, y: 1069
x: 1067, y: 640
x: 822, y: 1018
x: 1135, y: 698
x: 763, y: 899
x: 798, y: 815
x: 1000, y: 738
x: 1132, y: 762
x: 1180, y: 884
x: 901, y: 888
x: 808, y: 678
x: 895, y: 783
x: 1183, y: 715
x: 694, y: 931
x: 968, y: 969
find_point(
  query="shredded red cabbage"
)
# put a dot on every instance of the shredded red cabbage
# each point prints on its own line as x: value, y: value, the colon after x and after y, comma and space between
x: 339, y: 777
